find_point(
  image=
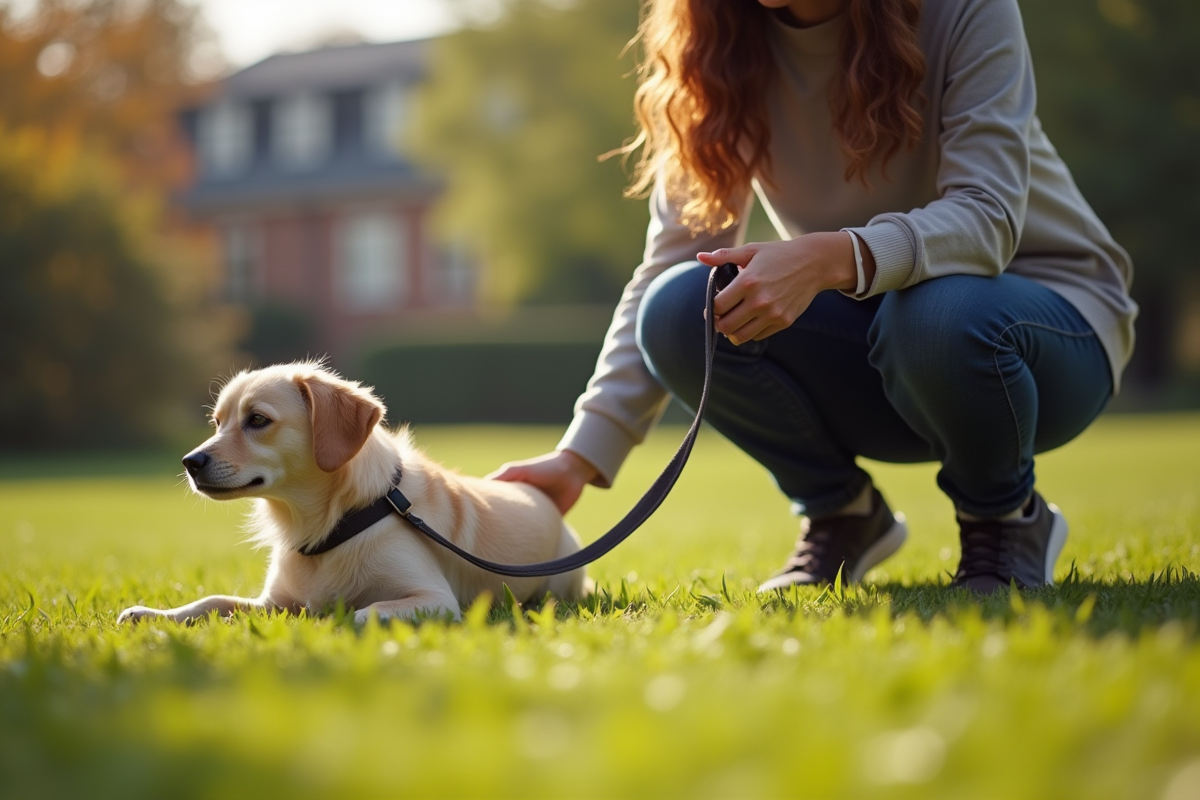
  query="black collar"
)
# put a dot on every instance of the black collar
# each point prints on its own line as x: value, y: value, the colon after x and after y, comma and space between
x: 353, y: 523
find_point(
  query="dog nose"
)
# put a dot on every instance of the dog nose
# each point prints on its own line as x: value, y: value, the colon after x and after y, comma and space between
x: 194, y: 462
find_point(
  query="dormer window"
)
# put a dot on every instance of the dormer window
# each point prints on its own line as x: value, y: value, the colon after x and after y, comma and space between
x: 387, y: 112
x: 303, y: 131
x: 225, y: 138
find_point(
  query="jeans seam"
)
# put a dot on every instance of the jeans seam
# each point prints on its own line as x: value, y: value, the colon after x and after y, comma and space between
x: 1000, y: 374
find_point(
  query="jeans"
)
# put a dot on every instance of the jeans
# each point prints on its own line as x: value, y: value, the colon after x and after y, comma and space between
x: 976, y: 373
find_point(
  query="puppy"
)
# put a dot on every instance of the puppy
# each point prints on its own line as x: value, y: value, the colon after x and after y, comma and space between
x: 310, y: 447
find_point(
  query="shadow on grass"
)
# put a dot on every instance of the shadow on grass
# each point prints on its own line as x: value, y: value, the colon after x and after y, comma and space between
x: 1095, y: 606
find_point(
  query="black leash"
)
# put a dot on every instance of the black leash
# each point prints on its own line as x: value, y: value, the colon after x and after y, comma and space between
x: 395, y: 501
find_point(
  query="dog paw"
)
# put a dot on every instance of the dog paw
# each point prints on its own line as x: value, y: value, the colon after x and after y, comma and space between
x: 135, y: 614
x: 363, y: 615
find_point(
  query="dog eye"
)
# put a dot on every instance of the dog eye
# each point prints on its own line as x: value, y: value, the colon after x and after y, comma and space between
x: 257, y: 421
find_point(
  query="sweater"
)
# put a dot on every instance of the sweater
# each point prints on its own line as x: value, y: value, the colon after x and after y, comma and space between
x: 984, y: 191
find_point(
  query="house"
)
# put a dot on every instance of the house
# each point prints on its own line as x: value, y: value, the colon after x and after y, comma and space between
x: 302, y: 170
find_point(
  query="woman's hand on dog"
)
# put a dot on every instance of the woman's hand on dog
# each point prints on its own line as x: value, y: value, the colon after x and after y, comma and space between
x: 560, y: 475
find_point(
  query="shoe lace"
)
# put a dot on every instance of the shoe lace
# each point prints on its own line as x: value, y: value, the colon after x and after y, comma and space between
x: 982, y: 550
x: 811, y: 546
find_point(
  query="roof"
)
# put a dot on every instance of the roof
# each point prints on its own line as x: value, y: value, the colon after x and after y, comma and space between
x: 330, y: 68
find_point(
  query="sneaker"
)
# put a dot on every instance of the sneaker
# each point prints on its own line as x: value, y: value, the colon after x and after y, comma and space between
x: 995, y: 552
x: 850, y: 543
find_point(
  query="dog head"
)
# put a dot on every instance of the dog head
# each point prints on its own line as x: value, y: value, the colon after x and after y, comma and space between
x: 279, y: 428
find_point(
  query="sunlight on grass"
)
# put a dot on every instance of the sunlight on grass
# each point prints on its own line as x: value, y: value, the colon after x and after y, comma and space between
x: 675, y: 680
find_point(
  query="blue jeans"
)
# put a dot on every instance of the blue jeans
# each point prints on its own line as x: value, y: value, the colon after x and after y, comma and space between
x: 976, y: 373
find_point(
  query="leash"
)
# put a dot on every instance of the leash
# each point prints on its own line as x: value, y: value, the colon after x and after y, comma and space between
x: 395, y: 502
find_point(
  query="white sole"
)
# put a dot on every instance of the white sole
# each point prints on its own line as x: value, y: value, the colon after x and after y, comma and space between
x: 884, y: 547
x: 1058, y: 538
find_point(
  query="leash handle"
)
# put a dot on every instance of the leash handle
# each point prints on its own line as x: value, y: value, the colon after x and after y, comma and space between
x: 718, y: 279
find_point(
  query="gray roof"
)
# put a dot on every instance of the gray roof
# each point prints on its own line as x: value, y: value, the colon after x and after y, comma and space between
x: 354, y: 180
x: 330, y: 69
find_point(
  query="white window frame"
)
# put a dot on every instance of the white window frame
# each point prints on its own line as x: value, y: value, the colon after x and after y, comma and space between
x: 373, y: 262
x: 225, y: 137
x: 302, y: 131
x: 386, y: 119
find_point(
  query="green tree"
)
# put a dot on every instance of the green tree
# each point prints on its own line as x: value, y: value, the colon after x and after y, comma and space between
x: 516, y: 114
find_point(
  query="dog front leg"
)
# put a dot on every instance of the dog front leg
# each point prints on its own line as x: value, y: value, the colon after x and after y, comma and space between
x: 224, y: 605
x: 433, y: 604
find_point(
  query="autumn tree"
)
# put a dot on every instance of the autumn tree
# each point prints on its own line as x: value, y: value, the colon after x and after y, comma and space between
x: 107, y: 327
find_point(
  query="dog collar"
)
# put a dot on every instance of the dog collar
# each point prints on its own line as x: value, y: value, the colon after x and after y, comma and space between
x: 355, y: 522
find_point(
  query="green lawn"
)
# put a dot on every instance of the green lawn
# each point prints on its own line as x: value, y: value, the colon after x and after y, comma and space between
x: 676, y: 681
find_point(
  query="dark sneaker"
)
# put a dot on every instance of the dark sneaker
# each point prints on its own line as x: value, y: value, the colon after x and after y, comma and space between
x: 994, y: 552
x: 852, y: 544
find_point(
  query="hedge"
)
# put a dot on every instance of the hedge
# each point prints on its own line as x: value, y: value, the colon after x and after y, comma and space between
x: 509, y: 382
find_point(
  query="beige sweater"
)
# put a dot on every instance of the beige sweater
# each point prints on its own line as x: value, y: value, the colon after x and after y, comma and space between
x: 983, y: 192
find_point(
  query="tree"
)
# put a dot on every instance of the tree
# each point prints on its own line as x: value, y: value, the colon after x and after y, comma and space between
x: 1119, y: 94
x: 107, y: 328
x: 95, y: 343
x: 516, y: 114
x: 114, y: 71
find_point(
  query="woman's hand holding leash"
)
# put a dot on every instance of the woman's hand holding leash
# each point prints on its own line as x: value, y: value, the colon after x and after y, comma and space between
x: 779, y: 280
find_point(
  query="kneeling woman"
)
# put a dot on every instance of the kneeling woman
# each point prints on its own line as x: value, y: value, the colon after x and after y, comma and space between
x: 942, y: 292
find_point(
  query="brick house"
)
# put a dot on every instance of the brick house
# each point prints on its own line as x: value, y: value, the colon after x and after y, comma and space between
x: 302, y: 171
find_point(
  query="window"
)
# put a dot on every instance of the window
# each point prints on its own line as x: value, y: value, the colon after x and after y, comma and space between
x: 241, y: 262
x: 387, y: 112
x: 303, y: 131
x: 225, y: 139
x: 372, y: 269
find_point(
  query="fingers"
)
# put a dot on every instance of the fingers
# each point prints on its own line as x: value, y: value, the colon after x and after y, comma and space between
x: 738, y: 255
x: 507, y: 472
x: 753, y: 329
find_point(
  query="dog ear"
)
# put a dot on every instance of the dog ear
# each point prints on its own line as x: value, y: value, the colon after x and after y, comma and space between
x: 342, y: 420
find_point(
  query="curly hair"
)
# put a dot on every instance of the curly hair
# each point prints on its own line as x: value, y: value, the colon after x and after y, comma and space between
x: 701, y: 103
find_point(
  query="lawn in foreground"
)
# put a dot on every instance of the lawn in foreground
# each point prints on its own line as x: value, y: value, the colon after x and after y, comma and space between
x: 675, y: 681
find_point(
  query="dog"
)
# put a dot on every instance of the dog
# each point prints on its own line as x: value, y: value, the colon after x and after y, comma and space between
x: 310, y: 447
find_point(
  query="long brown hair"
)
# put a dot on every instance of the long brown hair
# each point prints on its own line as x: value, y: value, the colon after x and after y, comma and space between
x: 701, y: 106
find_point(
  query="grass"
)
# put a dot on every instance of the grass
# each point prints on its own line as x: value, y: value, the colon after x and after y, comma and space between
x: 676, y: 680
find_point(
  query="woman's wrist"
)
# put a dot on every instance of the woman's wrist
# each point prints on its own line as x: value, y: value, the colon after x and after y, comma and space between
x: 579, y: 466
x: 845, y: 262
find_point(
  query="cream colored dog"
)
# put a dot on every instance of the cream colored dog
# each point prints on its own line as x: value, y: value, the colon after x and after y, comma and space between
x: 309, y: 445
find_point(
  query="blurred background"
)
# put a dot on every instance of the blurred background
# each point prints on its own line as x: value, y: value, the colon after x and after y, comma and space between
x: 412, y: 189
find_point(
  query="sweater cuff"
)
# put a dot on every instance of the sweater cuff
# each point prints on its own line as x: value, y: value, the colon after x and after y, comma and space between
x: 601, y: 442
x: 894, y: 256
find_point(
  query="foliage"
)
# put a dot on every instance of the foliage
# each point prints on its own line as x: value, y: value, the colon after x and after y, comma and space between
x: 516, y: 114
x: 676, y: 680
x: 107, y: 325
x: 1119, y: 95
x: 514, y: 382
x: 278, y: 333
x: 114, y: 71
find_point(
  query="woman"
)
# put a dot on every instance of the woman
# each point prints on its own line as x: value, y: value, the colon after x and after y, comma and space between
x: 943, y: 291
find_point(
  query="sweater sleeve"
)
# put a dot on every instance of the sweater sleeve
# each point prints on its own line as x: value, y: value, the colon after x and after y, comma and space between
x: 988, y: 104
x: 623, y: 400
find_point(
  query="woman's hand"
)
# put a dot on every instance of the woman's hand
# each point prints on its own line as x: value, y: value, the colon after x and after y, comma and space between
x: 561, y: 475
x: 779, y: 280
